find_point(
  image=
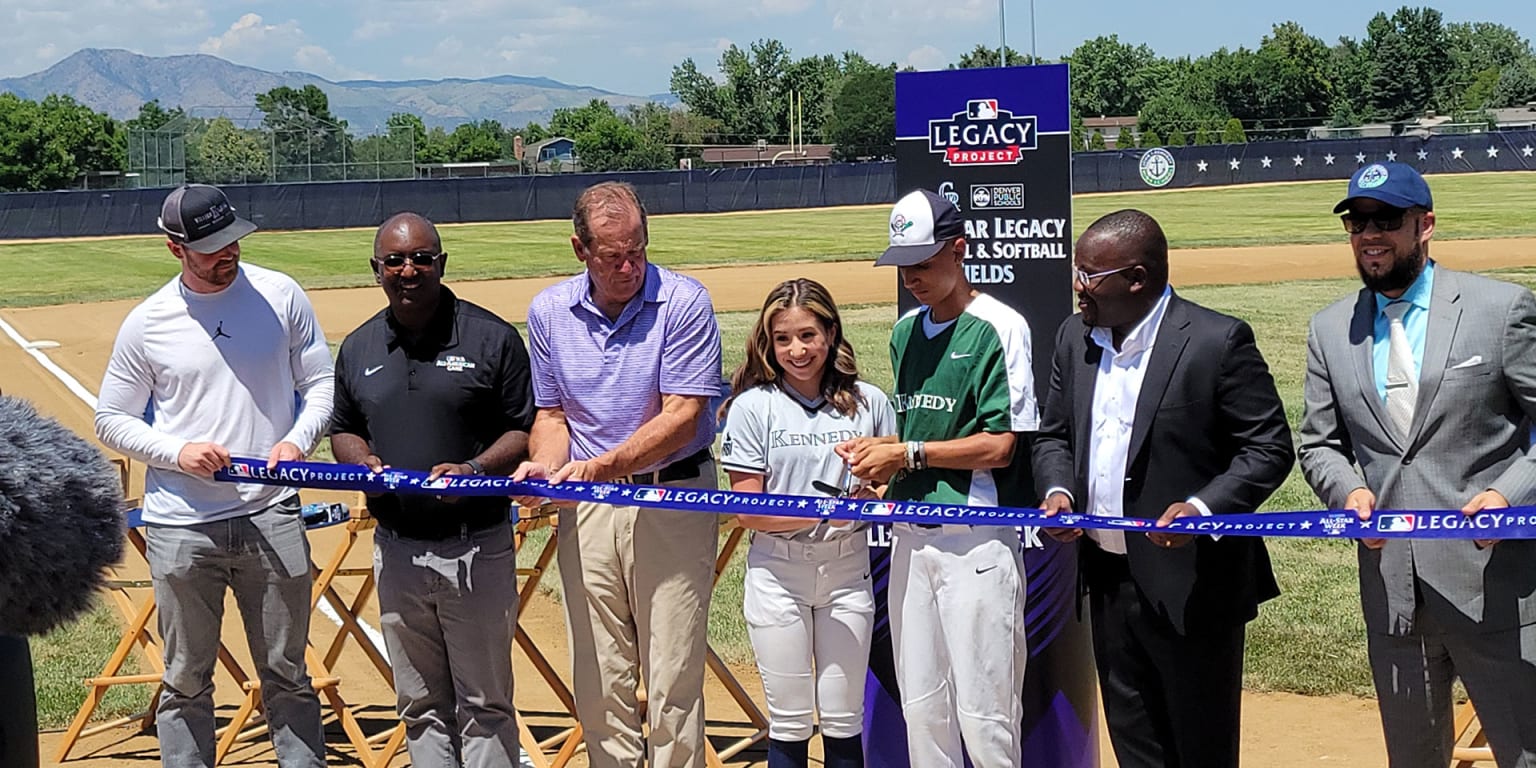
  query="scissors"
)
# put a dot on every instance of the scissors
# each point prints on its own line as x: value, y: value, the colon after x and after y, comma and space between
x: 833, y: 490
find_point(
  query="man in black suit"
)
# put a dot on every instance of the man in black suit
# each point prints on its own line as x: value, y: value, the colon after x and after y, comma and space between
x: 1158, y: 409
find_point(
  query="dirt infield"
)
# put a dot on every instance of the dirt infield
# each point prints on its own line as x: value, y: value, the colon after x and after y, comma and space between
x: 1279, y: 730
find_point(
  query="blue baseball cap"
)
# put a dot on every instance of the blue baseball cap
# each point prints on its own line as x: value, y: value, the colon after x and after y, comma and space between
x: 1396, y: 184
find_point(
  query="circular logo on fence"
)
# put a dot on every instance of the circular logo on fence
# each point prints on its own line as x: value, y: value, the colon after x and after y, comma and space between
x: 1373, y: 177
x: 1157, y: 167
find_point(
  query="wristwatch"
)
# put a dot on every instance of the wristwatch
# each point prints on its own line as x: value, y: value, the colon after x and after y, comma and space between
x: 474, y: 467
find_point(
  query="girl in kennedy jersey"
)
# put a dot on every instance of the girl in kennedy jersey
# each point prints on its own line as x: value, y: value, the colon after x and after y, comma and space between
x: 809, y: 606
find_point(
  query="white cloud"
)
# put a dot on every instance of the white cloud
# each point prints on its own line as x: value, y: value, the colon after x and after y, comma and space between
x: 782, y: 7
x: 373, y: 29
x: 317, y: 60
x: 628, y: 46
x: 925, y: 58
x: 250, y: 34
x: 527, y: 53
x: 251, y: 40
x: 36, y: 34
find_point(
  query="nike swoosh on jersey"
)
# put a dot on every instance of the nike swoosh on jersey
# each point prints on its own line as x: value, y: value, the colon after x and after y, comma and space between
x: 958, y: 356
x: 373, y: 370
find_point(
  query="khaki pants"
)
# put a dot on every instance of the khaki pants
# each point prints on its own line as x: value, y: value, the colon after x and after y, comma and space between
x: 637, y: 586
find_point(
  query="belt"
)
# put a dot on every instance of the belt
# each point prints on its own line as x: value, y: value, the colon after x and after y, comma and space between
x: 441, y: 532
x: 686, y: 468
x: 809, y: 550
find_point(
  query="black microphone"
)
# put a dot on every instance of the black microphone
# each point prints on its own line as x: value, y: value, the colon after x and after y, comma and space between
x: 61, y: 521
x: 61, y: 527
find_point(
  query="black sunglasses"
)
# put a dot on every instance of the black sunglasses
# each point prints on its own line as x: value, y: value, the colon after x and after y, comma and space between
x: 418, y: 259
x: 1386, y: 220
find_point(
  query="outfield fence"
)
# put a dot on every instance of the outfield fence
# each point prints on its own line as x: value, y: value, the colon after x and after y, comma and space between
x: 333, y: 204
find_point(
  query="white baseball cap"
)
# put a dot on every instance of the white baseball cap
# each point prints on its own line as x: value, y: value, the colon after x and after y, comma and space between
x: 921, y: 223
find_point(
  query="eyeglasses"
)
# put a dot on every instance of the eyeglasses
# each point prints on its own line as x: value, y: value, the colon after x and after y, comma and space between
x: 1085, y: 279
x: 1386, y: 220
x: 419, y: 259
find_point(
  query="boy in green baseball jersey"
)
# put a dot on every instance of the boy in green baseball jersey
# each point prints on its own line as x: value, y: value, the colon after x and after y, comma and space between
x: 965, y: 401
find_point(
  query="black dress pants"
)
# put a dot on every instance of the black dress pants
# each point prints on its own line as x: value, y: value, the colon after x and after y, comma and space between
x: 1171, y: 700
x: 18, y: 705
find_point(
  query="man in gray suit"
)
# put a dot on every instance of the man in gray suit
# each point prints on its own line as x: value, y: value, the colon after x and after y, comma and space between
x: 1426, y: 380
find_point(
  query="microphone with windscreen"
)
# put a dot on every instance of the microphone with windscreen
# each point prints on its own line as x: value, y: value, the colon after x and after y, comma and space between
x: 61, y: 527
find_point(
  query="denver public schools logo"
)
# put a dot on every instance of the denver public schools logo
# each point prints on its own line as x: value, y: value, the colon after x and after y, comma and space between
x: 1157, y: 167
x: 1373, y: 177
x: 984, y: 134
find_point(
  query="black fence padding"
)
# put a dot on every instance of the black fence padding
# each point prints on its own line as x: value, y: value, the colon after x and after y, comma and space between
x: 1276, y: 161
x: 324, y: 205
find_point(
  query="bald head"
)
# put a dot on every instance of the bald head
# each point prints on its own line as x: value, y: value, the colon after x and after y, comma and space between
x: 606, y: 199
x: 1135, y: 238
x: 407, y: 223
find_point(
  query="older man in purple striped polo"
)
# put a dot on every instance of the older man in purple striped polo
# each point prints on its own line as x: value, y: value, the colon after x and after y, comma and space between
x: 626, y: 358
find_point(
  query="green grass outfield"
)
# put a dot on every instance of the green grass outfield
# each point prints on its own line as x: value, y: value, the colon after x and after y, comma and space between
x: 1477, y: 206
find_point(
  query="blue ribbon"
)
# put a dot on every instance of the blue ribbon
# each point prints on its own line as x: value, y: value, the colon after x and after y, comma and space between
x: 1511, y: 523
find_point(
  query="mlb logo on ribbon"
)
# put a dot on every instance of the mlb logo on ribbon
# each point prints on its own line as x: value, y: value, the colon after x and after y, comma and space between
x: 1396, y: 523
x: 650, y: 494
x: 880, y: 509
x: 240, y: 470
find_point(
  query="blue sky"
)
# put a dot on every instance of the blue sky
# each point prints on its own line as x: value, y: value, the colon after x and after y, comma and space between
x: 630, y: 46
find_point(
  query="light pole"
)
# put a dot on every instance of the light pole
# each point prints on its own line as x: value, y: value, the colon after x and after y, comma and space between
x: 1034, y: 58
x: 1002, y: 31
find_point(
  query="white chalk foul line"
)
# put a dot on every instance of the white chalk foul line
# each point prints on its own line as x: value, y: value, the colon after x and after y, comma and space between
x: 62, y: 375
x: 87, y: 397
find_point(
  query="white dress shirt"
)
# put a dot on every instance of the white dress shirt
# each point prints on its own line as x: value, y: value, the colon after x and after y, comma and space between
x: 1114, y: 413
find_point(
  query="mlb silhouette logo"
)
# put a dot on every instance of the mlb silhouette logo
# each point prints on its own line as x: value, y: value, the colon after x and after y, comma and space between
x: 1396, y: 523
x: 240, y: 470
x: 650, y: 494
x: 880, y: 508
x: 981, y: 109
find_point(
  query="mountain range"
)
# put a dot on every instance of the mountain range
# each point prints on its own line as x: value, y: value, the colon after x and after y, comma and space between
x: 117, y: 82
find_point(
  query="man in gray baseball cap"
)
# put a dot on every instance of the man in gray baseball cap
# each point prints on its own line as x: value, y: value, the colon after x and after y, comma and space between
x: 219, y: 353
x: 200, y: 217
x: 203, y: 232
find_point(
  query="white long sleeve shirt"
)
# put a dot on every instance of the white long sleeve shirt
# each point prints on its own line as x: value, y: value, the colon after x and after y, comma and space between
x: 247, y: 368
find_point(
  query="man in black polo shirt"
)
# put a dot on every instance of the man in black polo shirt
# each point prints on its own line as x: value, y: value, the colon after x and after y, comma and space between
x: 436, y: 383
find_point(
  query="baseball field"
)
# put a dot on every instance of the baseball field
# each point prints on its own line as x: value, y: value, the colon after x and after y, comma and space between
x: 1272, y: 255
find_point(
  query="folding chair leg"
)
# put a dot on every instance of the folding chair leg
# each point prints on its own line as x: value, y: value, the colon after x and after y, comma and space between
x: 135, y: 635
x: 569, y: 749
x: 530, y: 745
x: 391, y: 748
x: 236, y: 724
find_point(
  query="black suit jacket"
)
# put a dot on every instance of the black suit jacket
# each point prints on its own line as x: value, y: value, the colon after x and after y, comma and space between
x: 1208, y: 423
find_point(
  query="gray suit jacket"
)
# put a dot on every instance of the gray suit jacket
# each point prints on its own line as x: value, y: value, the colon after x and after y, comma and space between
x: 1470, y: 433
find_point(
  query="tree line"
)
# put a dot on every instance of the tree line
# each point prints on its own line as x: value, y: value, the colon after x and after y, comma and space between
x: 1404, y: 65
